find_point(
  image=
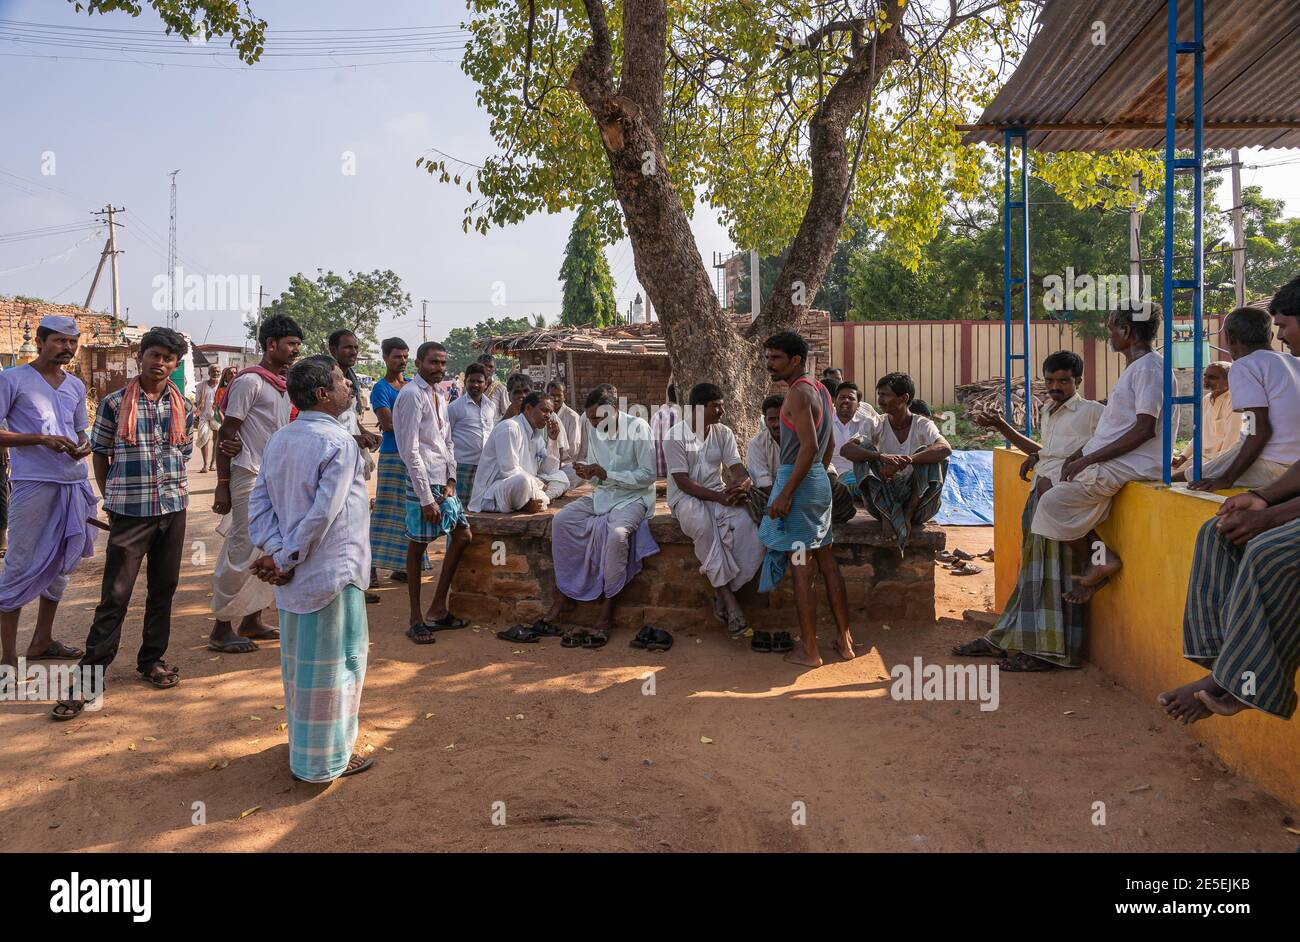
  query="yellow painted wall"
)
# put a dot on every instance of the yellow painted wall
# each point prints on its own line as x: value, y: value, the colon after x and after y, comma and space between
x: 1135, y: 623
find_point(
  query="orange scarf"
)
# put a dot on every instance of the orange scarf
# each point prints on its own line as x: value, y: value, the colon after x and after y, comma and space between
x: 131, y: 406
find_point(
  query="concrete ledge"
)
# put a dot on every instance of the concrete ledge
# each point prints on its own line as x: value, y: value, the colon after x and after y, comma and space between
x: 1135, y: 625
x: 507, y: 575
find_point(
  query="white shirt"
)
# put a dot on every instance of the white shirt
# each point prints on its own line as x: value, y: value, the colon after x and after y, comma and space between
x: 862, y: 423
x: 424, y: 438
x: 867, y: 409
x: 310, y: 512
x: 1139, y: 390
x: 262, y: 411
x: 921, y: 434
x: 1221, y: 428
x: 1268, y: 379
x: 1064, y: 432
x: 514, y: 446
x: 471, y: 423
x: 627, y: 454
x: 574, y: 426
x: 206, y: 397
x: 701, y: 460
x: 763, y: 458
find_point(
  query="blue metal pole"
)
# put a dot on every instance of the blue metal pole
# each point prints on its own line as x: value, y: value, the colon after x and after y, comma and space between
x: 1167, y: 293
x: 1198, y: 274
x: 1006, y: 270
x: 1024, y: 291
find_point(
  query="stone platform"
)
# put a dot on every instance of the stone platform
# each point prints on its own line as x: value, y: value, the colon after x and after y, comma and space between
x: 670, y: 592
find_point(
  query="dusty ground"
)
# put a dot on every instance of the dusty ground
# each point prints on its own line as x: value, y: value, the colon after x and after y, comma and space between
x: 583, y: 759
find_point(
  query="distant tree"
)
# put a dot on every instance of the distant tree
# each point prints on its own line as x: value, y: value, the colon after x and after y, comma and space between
x: 331, y: 301
x: 588, y: 284
x: 459, y: 341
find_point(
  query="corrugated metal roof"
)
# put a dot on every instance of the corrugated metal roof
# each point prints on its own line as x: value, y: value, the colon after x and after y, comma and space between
x: 1116, y: 91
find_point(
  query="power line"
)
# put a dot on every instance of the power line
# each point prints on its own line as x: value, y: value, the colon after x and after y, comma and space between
x: 226, y: 68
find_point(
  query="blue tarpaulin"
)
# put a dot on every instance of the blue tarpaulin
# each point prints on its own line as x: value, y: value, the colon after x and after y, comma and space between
x: 968, y: 490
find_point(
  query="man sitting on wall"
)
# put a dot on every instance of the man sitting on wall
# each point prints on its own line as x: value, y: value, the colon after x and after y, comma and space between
x: 519, y: 468
x: 574, y: 427
x: 763, y: 457
x: 848, y: 423
x: 1220, y: 426
x: 1038, y: 629
x: 708, y: 490
x: 1266, y: 390
x: 901, y: 467
x: 1242, y: 617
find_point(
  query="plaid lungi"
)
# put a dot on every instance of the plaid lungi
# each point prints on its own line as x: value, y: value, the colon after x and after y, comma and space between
x: 465, y: 474
x: 323, y: 666
x: 843, y: 509
x: 888, y: 499
x: 1037, y: 621
x: 388, y: 519
x: 419, y: 530
x: 1242, y: 616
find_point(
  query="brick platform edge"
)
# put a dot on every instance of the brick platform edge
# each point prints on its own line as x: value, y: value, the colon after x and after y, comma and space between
x: 670, y: 591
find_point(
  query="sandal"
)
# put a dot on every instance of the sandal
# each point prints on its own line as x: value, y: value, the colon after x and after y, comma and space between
x: 237, y: 646
x: 446, y: 621
x: 1022, y: 663
x: 944, y: 557
x: 162, y: 676
x: 357, y: 764
x: 573, y: 638
x: 518, y: 634
x: 966, y: 569
x: 736, y: 625
x: 546, y: 629
x: 782, y: 643
x: 421, y: 634
x: 962, y: 555
x: 980, y: 647
x: 595, y: 639
x: 58, y: 651
x: 67, y: 709
x: 397, y: 575
x: 659, y: 640
x: 761, y: 642
x: 642, y: 638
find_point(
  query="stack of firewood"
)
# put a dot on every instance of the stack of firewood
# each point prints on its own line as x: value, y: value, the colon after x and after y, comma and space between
x: 987, y: 396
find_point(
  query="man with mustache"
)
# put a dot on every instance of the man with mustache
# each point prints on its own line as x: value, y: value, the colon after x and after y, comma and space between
x: 255, y: 407
x: 44, y: 410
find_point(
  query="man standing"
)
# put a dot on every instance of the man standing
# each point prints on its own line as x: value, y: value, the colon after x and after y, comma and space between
x: 43, y: 408
x: 142, y: 439
x: 574, y: 426
x: 346, y: 349
x: 1038, y: 629
x: 205, y: 400
x: 310, y: 519
x: 900, y: 469
x: 599, y: 540
x: 432, y: 508
x: 520, y: 464
x: 255, y: 407
x: 665, y: 417
x: 388, y: 519
x: 708, y: 490
x: 471, y: 417
x: 798, y: 523
x: 496, y: 391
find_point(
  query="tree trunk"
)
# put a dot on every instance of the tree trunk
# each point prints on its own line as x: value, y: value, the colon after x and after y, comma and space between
x: 702, y: 344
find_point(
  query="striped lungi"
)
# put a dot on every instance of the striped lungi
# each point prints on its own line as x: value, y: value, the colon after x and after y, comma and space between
x: 806, y: 527
x: 1242, y: 616
x: 888, y: 499
x: 323, y: 666
x: 1037, y: 620
x: 388, y: 519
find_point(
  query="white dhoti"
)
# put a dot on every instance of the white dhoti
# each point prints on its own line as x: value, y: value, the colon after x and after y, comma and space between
x: 202, y: 434
x: 513, y: 492
x: 726, y: 540
x: 236, y: 592
x: 1260, y: 474
x: 1069, y: 510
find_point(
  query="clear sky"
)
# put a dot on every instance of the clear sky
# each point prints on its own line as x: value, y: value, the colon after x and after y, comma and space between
x: 262, y: 187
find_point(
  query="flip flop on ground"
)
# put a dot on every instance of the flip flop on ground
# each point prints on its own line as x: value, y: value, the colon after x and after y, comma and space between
x: 234, y: 646
x: 573, y: 638
x: 162, y: 676
x: 547, y: 629
x: 445, y: 622
x: 58, y: 651
x: 595, y: 639
x: 980, y: 647
x: 421, y: 634
x: 1022, y: 663
x: 67, y: 709
x: 518, y: 634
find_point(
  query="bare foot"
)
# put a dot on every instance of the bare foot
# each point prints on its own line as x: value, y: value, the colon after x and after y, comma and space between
x: 252, y: 627
x: 1182, y: 704
x: 1082, y: 593
x: 1224, y: 704
x: 1094, y: 575
x: 533, y: 506
x: 798, y: 657
x: 844, y: 646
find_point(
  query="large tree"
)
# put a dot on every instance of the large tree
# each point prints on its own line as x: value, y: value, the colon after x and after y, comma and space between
x: 331, y: 301
x: 588, y: 285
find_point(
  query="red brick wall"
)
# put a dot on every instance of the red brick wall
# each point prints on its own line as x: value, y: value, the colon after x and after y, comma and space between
x: 641, y: 379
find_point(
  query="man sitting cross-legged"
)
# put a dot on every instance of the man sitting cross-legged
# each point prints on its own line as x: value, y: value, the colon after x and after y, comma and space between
x: 519, y: 468
x: 1265, y: 388
x: 432, y: 508
x: 1125, y: 447
x: 599, y: 540
x: 1038, y: 629
x: 1242, y: 618
x: 708, y: 489
x: 901, y: 467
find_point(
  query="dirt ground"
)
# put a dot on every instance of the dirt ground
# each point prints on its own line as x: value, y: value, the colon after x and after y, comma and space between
x: 718, y: 758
